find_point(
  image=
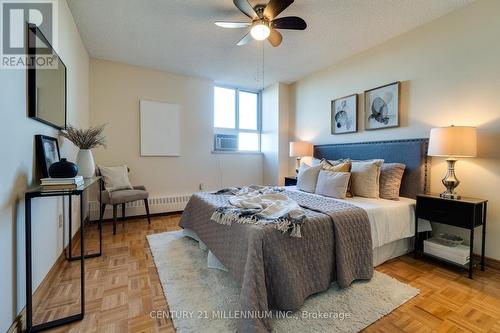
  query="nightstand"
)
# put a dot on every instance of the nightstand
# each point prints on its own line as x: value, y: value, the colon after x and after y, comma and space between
x: 290, y: 181
x: 466, y: 213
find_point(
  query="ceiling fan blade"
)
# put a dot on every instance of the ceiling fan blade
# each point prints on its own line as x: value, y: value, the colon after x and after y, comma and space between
x: 289, y: 22
x: 275, y: 38
x: 246, y: 8
x: 275, y: 7
x: 233, y: 25
x: 245, y: 40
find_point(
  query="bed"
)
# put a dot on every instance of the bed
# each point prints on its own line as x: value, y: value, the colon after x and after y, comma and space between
x: 392, y: 224
x: 341, y: 242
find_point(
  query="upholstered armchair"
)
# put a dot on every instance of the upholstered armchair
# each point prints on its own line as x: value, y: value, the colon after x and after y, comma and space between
x: 122, y: 197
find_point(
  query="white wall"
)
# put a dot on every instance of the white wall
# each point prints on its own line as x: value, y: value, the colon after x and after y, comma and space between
x: 450, y: 73
x: 115, y: 93
x: 275, y: 137
x: 269, y: 139
x: 18, y: 165
x: 283, y: 132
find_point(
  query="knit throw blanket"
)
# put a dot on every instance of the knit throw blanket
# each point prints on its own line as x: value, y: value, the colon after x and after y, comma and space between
x: 261, y: 205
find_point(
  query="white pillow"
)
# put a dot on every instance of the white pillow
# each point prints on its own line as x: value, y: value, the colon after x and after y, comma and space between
x: 365, y: 177
x: 332, y: 184
x: 315, y: 161
x: 307, y: 177
x: 115, y: 178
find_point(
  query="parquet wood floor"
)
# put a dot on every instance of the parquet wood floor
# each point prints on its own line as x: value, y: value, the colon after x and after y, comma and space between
x: 122, y: 287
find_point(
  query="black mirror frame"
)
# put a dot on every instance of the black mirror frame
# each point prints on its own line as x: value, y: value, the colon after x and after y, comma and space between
x: 33, y: 30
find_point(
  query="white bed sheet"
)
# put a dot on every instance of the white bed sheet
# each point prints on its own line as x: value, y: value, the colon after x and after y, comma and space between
x: 390, y: 220
x: 392, y: 250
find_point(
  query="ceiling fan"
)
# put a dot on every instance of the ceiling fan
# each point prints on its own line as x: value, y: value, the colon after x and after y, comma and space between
x: 264, y: 22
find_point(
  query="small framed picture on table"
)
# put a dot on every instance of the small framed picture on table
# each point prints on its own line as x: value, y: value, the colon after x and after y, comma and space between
x: 47, y: 153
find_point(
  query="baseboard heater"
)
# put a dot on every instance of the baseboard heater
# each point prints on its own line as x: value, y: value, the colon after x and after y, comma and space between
x: 157, y: 205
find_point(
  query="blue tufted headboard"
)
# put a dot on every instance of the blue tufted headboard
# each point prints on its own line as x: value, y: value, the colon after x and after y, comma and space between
x: 411, y: 152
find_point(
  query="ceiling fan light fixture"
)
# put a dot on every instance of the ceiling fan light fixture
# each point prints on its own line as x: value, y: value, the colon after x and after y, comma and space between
x: 260, y: 31
x: 264, y: 23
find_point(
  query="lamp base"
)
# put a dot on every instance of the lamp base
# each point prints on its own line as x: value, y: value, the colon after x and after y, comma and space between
x: 452, y: 196
x: 450, y: 181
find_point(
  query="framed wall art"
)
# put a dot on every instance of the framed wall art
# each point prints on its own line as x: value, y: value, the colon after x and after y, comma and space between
x: 382, y: 107
x: 344, y: 112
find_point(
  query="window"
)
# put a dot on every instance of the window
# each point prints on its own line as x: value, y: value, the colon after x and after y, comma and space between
x: 236, y: 119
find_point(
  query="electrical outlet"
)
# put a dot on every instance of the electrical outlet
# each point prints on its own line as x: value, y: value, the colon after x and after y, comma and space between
x: 61, y: 221
x: 202, y: 187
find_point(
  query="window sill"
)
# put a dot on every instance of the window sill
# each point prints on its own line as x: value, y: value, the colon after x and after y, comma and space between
x: 237, y: 152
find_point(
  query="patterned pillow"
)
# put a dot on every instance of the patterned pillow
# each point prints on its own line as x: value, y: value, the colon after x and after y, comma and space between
x: 307, y: 177
x: 332, y: 184
x: 365, y: 178
x: 391, y: 175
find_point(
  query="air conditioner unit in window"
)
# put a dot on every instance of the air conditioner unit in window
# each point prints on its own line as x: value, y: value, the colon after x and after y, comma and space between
x: 226, y: 142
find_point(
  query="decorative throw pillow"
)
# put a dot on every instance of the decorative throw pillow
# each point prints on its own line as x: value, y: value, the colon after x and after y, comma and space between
x: 339, y: 166
x: 365, y: 178
x: 336, y: 166
x: 115, y: 178
x: 332, y: 184
x: 315, y: 161
x: 307, y: 177
x: 391, y: 175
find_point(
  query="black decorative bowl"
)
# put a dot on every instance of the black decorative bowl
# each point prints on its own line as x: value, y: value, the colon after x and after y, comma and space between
x: 63, y: 169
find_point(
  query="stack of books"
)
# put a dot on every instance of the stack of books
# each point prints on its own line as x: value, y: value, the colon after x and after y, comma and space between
x: 459, y: 254
x: 61, y: 184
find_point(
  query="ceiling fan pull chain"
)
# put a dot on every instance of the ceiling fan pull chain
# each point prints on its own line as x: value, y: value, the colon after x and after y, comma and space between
x: 263, y: 64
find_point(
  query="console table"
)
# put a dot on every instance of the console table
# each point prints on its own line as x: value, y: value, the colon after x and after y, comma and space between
x: 40, y: 192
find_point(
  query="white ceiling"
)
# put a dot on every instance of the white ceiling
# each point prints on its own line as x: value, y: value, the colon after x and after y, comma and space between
x: 179, y: 35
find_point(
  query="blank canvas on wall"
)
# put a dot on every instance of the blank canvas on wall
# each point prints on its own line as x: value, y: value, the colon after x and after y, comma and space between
x: 160, y: 134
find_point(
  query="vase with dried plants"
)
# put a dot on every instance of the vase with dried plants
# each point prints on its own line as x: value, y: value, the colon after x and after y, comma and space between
x: 86, y: 140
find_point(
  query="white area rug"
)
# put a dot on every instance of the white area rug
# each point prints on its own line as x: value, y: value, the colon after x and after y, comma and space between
x: 204, y: 300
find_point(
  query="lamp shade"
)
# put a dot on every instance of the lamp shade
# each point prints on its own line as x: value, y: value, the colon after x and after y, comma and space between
x: 300, y: 149
x: 456, y: 141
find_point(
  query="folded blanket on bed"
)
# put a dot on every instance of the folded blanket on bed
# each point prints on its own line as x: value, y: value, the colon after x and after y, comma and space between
x: 276, y: 272
x: 262, y: 205
x: 249, y: 189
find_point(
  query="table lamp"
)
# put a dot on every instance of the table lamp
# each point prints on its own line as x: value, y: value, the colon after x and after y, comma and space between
x: 452, y: 142
x: 300, y: 149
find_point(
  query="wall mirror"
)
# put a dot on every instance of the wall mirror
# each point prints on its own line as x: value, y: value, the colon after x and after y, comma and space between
x: 46, y: 81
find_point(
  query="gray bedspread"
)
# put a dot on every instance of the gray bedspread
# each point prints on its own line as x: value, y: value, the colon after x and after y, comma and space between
x: 276, y: 271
